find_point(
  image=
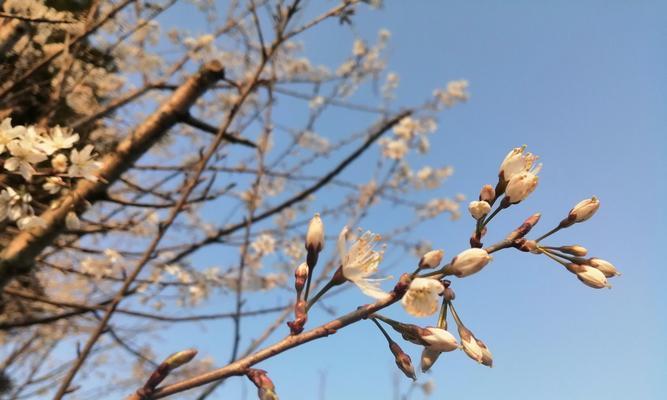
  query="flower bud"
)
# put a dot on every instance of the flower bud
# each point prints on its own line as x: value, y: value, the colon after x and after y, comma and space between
x: 431, y: 259
x: 266, y: 390
x: 315, y: 234
x: 468, y: 262
x: 589, y: 276
x: 180, y: 358
x: 585, y: 209
x: 300, y: 276
x: 301, y: 316
x: 469, y: 344
x: 487, y: 194
x: 607, y: 268
x: 429, y: 357
x: 403, y: 361
x: 449, y: 294
x: 479, y: 209
x: 574, y: 250
x: 487, y: 357
x: 522, y: 185
x: 439, y: 340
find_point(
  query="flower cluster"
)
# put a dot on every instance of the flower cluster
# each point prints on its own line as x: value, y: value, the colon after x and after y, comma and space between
x: 41, y: 162
x: 426, y: 292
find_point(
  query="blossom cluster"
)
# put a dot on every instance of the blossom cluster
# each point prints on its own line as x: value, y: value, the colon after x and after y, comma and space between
x: 41, y: 163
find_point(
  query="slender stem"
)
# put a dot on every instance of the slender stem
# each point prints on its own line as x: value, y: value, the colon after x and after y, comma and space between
x: 384, y: 332
x: 455, y: 314
x: 551, y: 232
x: 305, y: 296
x: 442, y: 318
x: 493, y: 214
x: 319, y: 294
x: 552, y: 256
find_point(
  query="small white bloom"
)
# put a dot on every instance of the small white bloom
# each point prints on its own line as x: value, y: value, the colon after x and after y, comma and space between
x: 607, y: 268
x: 53, y: 184
x: 479, y: 209
x: 23, y: 156
x: 59, y: 163
x: 8, y: 133
x: 72, y: 221
x: 423, y: 297
x: 522, y: 185
x: 315, y: 234
x: 359, y: 48
x: 361, y: 261
x: 30, y: 221
x: 584, y: 209
x: 468, y: 262
x: 60, y: 138
x: 515, y: 162
x: 431, y: 259
x: 394, y: 149
x: 406, y: 128
x: 83, y: 164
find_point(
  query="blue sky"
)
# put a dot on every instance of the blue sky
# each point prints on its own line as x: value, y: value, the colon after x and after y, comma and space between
x: 583, y: 85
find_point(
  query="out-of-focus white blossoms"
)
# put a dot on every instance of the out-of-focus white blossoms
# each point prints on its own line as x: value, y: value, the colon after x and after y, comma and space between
x: 423, y: 297
x: 83, y: 163
x: 360, y: 261
x: 40, y: 157
x: 455, y: 92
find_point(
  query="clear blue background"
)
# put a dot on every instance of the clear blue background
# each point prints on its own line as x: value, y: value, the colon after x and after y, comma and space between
x: 582, y: 83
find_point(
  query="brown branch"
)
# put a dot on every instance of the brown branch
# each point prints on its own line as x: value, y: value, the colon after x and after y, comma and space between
x: 240, y: 367
x: 19, y: 254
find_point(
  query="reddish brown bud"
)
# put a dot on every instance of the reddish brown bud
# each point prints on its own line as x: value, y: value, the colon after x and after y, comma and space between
x: 449, y: 294
x: 300, y: 277
x: 525, y: 245
x: 402, y: 285
x: 525, y: 227
x: 266, y: 390
x: 403, y: 361
x: 488, y: 194
x: 301, y: 316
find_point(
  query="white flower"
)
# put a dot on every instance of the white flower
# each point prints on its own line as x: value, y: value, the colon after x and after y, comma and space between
x: 431, y: 259
x: 515, y: 162
x: 59, y: 163
x: 53, y: 184
x: 60, y: 138
x: 423, y: 297
x: 359, y: 48
x: 72, y: 221
x: 607, y: 268
x: 479, y: 209
x: 23, y: 156
x: 584, y: 209
x: 8, y: 133
x: 30, y: 222
x: 468, y: 262
x: 361, y: 261
x: 440, y: 340
x: 521, y: 185
x: 83, y: 164
x: 406, y: 128
x: 394, y: 149
x: 315, y: 234
x: 14, y: 205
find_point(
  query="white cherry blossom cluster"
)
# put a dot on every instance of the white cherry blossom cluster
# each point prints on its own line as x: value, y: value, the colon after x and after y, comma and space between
x: 40, y: 162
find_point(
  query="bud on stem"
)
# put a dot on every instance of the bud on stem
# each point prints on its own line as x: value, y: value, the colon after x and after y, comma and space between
x: 172, y: 362
x: 266, y: 390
